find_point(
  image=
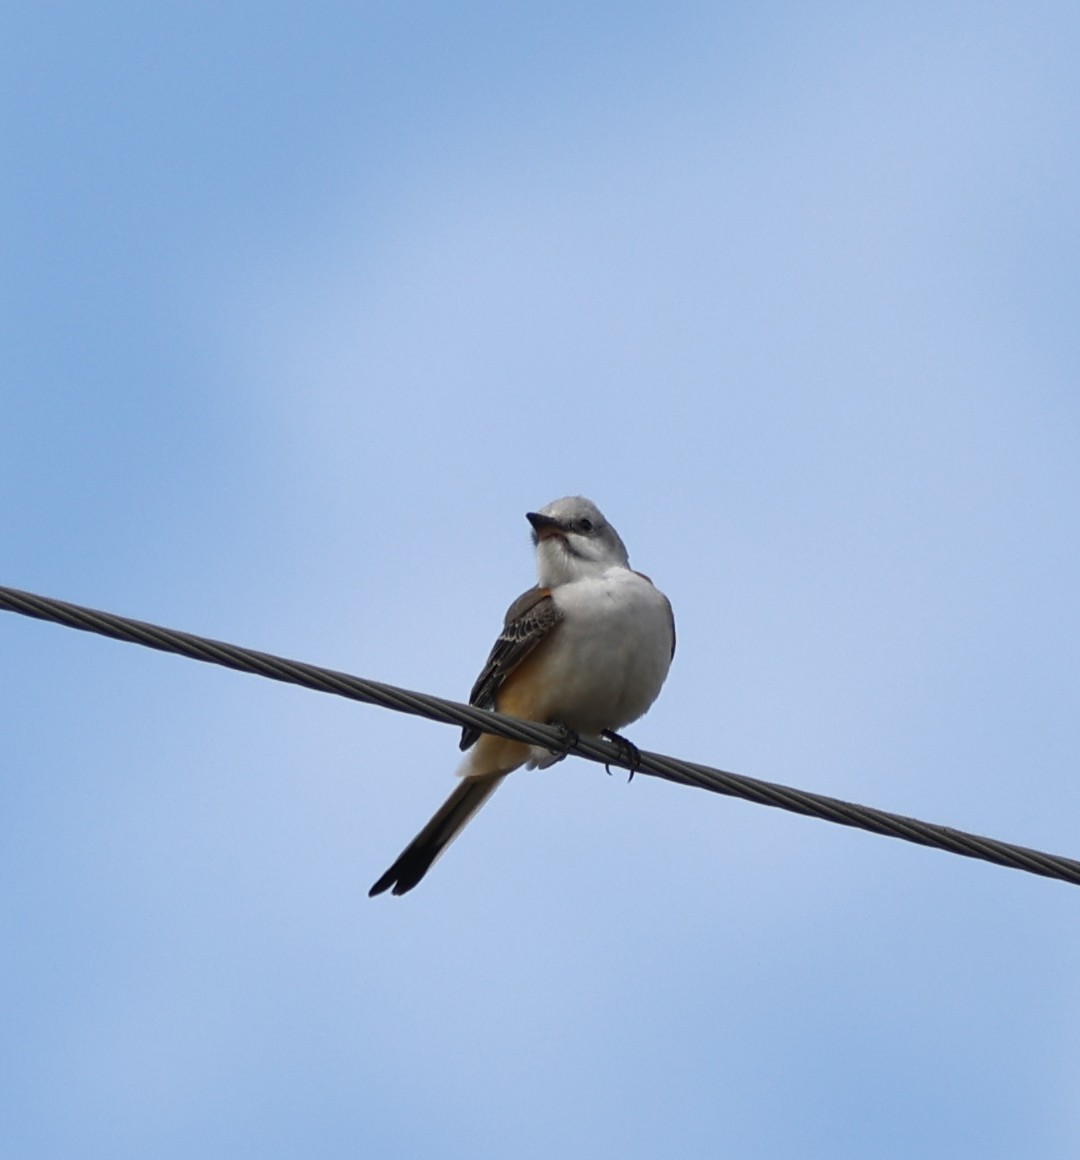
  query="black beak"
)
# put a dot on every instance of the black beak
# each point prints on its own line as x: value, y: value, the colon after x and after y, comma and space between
x: 544, y: 526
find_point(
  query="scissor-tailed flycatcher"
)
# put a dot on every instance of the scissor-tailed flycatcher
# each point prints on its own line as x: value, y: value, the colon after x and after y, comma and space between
x: 588, y: 648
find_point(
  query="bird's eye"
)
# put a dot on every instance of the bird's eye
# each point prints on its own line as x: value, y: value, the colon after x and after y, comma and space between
x: 584, y: 525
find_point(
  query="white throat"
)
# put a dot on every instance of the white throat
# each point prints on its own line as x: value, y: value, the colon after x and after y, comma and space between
x: 557, y: 563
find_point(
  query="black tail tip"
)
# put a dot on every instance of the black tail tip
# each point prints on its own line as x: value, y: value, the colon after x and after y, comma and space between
x: 397, y: 880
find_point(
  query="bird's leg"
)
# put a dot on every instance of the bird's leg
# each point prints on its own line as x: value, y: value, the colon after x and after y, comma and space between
x: 567, y: 739
x: 628, y: 751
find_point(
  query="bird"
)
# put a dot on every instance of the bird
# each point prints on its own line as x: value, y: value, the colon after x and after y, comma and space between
x: 587, y: 649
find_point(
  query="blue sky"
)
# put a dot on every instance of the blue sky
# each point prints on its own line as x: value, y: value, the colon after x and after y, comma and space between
x: 302, y: 308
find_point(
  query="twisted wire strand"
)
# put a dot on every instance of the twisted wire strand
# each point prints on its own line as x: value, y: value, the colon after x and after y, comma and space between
x: 455, y: 713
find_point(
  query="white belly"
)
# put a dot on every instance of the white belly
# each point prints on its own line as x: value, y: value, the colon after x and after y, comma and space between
x: 613, y: 652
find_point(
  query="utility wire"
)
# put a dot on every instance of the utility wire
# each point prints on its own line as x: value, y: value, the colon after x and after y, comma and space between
x: 454, y: 713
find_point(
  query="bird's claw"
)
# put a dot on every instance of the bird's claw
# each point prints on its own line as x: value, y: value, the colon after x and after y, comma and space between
x: 567, y: 739
x: 628, y: 751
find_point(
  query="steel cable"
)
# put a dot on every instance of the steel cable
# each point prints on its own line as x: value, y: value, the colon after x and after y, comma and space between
x: 455, y: 713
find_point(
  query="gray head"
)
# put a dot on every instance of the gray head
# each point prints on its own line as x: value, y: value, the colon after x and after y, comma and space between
x: 574, y: 540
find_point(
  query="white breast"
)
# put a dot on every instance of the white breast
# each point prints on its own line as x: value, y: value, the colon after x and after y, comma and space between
x: 613, y: 650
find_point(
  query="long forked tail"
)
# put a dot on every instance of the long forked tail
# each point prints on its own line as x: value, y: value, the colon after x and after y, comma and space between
x: 417, y: 857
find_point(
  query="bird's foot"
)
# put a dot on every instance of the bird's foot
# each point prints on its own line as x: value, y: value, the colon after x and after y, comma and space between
x: 567, y: 740
x: 628, y: 751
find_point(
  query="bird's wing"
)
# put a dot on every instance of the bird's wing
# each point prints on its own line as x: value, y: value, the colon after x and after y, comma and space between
x: 528, y: 621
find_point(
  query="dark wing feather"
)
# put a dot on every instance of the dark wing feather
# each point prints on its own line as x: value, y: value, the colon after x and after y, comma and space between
x: 528, y: 621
